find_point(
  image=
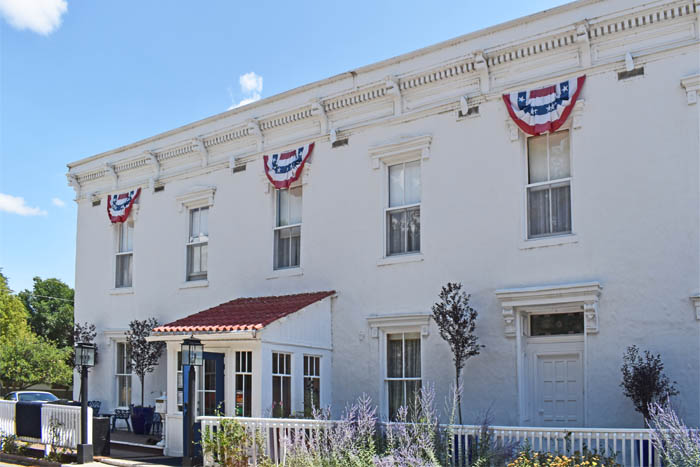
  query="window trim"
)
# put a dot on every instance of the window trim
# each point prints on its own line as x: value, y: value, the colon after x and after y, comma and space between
x: 385, y: 365
x: 198, y: 242
x: 236, y: 373
x: 289, y: 375
x: 526, y: 242
x: 117, y: 343
x: 119, y: 228
x: 386, y: 257
x: 319, y: 359
x: 288, y: 270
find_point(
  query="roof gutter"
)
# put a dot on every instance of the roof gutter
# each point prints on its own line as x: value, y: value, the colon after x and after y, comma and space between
x: 202, y: 336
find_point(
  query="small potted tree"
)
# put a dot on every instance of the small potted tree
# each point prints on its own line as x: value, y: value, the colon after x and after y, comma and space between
x: 644, y: 381
x: 144, y: 358
x: 456, y: 320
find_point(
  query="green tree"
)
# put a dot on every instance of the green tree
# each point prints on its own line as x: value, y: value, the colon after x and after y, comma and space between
x: 13, y: 315
x: 50, y: 307
x: 25, y: 358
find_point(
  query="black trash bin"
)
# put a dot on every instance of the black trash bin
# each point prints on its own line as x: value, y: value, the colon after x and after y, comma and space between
x: 100, y: 436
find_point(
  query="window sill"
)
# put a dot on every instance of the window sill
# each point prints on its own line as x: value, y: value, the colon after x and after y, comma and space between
x: 121, y: 291
x: 194, y: 284
x: 548, y: 241
x: 400, y: 259
x: 287, y: 272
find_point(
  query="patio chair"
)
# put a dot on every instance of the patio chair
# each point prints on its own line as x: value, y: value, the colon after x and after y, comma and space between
x: 156, y: 424
x: 121, y: 414
x: 95, y: 406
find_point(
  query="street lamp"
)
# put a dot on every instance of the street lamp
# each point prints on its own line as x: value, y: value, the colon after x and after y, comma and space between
x: 84, y: 359
x: 192, y: 355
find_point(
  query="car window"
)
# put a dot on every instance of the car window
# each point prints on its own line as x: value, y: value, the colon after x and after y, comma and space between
x: 37, y: 396
x: 10, y: 397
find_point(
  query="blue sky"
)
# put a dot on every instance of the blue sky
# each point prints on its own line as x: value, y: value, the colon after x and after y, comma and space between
x: 81, y: 77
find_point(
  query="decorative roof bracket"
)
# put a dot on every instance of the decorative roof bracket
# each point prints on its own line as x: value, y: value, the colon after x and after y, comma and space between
x: 584, y: 48
x: 153, y: 159
x: 255, y: 131
x: 393, y: 89
x: 109, y: 170
x: 317, y: 110
x: 199, y: 146
x: 482, y: 69
x: 75, y: 183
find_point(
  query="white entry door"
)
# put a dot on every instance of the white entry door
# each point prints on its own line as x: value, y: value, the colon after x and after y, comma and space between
x: 559, y: 390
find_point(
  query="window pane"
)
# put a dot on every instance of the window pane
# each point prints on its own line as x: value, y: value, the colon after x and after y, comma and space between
x: 204, y: 221
x: 247, y: 395
x: 538, y: 211
x: 282, y: 207
x: 556, y: 324
x: 412, y: 361
x: 126, y: 235
x: 204, y: 257
x: 295, y: 205
x: 286, y: 396
x: 413, y: 234
x: 394, y: 353
x: 121, y: 358
x: 413, y: 398
x: 287, y: 247
x: 123, y: 391
x: 123, y: 274
x: 559, y: 161
x: 275, y: 360
x: 412, y: 181
x: 537, y: 158
x: 312, y: 395
x: 395, y: 397
x: 396, y: 240
x: 194, y: 223
x: 561, y: 209
x: 195, y: 257
x: 396, y: 185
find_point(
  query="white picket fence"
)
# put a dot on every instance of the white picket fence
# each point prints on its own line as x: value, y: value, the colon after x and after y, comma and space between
x: 60, y: 424
x: 631, y: 447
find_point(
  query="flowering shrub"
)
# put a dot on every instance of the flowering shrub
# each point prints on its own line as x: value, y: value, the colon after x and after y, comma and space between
x: 528, y: 458
x: 677, y: 445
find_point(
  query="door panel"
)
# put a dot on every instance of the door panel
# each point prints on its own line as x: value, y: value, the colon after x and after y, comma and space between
x: 559, y: 390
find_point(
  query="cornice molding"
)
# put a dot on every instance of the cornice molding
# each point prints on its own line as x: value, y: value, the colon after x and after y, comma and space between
x: 199, y: 197
x: 408, y: 147
x: 480, y: 65
x: 388, y: 323
x: 586, y: 294
x: 691, y: 84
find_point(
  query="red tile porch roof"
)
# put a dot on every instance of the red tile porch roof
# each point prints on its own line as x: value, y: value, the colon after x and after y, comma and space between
x: 243, y: 314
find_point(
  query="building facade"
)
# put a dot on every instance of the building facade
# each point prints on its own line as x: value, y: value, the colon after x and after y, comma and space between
x: 574, y: 244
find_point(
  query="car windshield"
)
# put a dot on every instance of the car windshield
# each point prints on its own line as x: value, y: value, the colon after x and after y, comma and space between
x: 37, y: 396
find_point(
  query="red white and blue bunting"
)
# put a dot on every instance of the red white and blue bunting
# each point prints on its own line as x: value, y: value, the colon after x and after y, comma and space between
x: 545, y: 109
x: 119, y: 206
x: 285, y: 168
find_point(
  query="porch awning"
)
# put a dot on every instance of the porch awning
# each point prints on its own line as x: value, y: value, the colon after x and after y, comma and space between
x: 243, y: 314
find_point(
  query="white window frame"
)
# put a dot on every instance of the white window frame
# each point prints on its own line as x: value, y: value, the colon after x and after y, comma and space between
x: 557, y: 238
x: 198, y: 197
x: 290, y: 372
x: 383, y: 156
x: 317, y: 365
x: 129, y: 223
x: 380, y: 327
x: 404, y: 207
x: 278, y: 228
x: 200, y: 390
x: 117, y: 375
x: 403, y: 378
x: 243, y: 372
x: 192, y: 242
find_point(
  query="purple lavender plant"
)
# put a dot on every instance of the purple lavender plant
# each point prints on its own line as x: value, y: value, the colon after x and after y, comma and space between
x: 678, y: 445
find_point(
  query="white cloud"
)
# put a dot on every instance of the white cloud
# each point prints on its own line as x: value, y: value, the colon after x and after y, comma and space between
x: 58, y: 202
x: 40, y: 16
x: 251, y: 82
x: 17, y: 205
x: 251, y: 87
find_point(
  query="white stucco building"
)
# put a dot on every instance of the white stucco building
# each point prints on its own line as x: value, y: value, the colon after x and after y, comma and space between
x: 574, y: 244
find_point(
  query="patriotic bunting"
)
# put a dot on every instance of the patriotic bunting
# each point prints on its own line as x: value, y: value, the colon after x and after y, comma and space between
x: 119, y: 206
x: 545, y: 109
x: 285, y: 168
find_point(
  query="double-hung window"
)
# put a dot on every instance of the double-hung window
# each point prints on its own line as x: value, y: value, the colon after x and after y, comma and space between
x: 125, y: 255
x: 244, y: 383
x: 281, y: 385
x: 197, y: 246
x: 180, y: 382
x: 288, y: 228
x: 403, y: 211
x: 549, y: 185
x: 123, y: 374
x: 312, y: 384
x: 403, y: 376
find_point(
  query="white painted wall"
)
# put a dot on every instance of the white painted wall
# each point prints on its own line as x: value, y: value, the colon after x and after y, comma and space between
x: 636, y: 208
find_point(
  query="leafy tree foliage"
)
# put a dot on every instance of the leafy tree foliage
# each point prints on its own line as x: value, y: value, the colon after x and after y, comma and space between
x: 456, y: 320
x: 644, y: 381
x: 144, y: 355
x: 50, y: 306
x: 25, y: 358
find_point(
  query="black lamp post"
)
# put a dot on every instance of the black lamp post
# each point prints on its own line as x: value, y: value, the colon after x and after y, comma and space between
x: 84, y: 359
x: 192, y: 355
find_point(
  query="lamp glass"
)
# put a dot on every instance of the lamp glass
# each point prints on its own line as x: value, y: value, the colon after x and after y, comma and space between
x: 192, y: 352
x: 85, y: 354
